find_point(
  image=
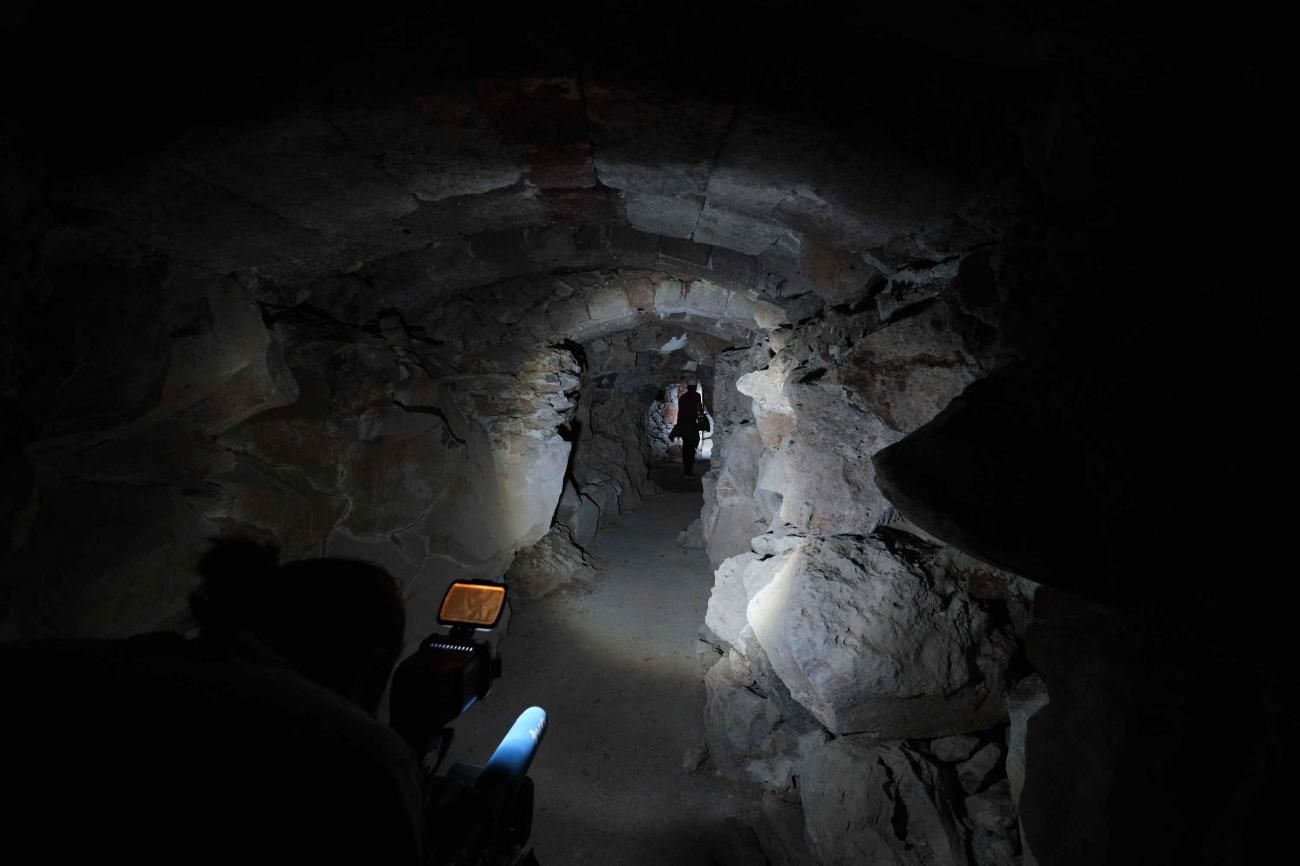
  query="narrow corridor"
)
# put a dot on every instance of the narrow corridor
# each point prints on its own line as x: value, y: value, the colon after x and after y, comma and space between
x: 616, y: 667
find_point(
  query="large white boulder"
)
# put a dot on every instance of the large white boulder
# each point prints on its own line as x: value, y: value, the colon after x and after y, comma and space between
x: 869, y: 644
x: 736, y: 581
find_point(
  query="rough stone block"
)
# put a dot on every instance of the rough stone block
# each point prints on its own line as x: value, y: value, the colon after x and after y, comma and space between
x: 728, y: 600
x: 570, y: 501
x: 953, y: 749
x: 911, y: 286
x: 686, y: 251
x: 609, y: 303
x: 731, y: 515
x: 992, y: 809
x: 769, y: 483
x: 584, y: 522
x: 907, y: 372
x: 130, y: 569
x: 768, y: 316
x: 735, y: 717
x: 867, y: 644
x: 670, y: 297
x: 254, y: 389
x: 742, y: 307
x: 568, y: 316
x: 706, y: 299
x: 1027, y: 698
x: 721, y: 226
x: 975, y: 772
x: 736, y: 581
x: 872, y: 803
x: 767, y: 388
x: 734, y: 270
x: 503, y: 248
x: 994, y: 836
x: 548, y: 565
x: 671, y: 216
x: 692, y: 537
x: 831, y: 487
x: 562, y: 166
x: 836, y: 275
x: 773, y: 543
x: 549, y: 245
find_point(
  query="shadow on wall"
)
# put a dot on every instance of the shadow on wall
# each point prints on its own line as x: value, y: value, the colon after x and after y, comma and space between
x: 332, y: 439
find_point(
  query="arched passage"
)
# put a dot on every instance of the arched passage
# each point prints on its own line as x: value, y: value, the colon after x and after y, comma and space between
x: 398, y: 356
x: 370, y: 230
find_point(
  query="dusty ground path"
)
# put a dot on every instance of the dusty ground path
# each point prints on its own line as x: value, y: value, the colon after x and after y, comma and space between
x: 615, y: 668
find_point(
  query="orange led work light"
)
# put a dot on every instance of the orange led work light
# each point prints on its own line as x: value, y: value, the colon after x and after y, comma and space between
x: 472, y: 603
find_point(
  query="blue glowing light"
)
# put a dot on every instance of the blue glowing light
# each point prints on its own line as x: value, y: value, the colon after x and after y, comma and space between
x: 515, y: 753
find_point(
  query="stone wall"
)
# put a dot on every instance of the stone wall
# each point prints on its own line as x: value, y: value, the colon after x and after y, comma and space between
x: 295, y: 428
x: 864, y: 667
x: 613, y: 443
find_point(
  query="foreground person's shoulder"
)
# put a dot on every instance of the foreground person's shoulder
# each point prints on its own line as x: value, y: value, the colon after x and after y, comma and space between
x: 154, y: 750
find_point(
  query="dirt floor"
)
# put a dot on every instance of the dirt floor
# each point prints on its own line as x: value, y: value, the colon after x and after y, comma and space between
x: 615, y: 666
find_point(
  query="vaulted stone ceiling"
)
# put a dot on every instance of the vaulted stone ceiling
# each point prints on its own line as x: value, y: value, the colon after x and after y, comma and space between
x: 507, y: 177
x: 372, y: 176
x: 443, y: 213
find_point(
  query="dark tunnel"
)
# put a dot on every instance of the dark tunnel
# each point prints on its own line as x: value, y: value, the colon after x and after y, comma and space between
x: 980, y: 568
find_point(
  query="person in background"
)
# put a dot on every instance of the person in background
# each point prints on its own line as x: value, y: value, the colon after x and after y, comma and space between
x: 691, y: 420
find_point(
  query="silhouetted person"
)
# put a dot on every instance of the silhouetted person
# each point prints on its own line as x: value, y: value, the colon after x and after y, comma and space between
x: 255, y: 742
x: 691, y: 419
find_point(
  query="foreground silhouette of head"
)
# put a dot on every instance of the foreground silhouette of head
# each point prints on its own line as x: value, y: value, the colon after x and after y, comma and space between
x: 255, y: 742
x: 339, y: 622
